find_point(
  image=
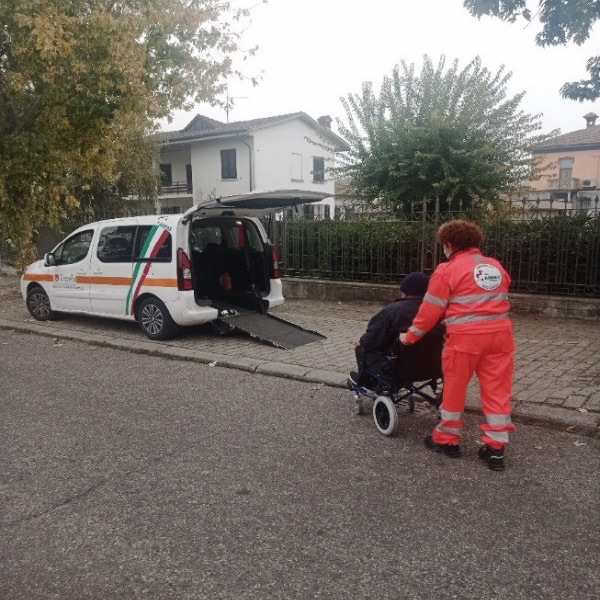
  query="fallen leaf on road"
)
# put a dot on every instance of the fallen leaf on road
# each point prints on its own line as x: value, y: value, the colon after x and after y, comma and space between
x: 318, y: 386
x: 579, y: 444
x: 583, y: 410
x: 212, y: 364
x: 57, y: 345
x: 539, y: 447
x: 93, y: 347
x: 571, y: 428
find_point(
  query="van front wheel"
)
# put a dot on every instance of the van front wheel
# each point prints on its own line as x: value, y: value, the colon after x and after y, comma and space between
x: 38, y: 304
x: 155, y: 320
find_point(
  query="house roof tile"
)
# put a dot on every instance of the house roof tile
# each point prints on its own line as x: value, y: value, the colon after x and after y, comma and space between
x: 202, y: 127
x: 583, y: 139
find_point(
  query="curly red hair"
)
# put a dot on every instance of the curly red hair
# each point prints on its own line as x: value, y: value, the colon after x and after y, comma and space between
x: 460, y: 235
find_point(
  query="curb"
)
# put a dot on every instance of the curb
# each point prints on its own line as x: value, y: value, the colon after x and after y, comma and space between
x: 531, y: 414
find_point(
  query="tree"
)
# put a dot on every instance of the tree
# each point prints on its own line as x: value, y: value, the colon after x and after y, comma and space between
x: 562, y: 21
x: 83, y: 80
x: 450, y: 134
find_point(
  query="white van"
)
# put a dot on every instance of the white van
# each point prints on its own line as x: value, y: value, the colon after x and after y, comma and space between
x: 166, y: 271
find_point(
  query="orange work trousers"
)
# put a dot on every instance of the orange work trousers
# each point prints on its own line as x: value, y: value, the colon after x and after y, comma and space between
x: 490, y: 356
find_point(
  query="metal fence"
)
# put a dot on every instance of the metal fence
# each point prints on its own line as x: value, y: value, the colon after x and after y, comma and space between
x: 545, y: 251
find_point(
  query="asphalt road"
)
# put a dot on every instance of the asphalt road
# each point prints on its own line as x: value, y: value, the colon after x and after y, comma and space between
x: 130, y: 476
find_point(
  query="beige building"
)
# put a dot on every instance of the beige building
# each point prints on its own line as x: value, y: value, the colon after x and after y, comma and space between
x: 572, y: 182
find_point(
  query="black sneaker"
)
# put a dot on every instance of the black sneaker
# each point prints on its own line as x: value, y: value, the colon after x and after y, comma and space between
x: 354, y: 377
x: 493, y: 457
x: 451, y: 450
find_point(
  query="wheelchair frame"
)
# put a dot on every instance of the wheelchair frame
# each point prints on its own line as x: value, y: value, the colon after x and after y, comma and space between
x: 388, y: 394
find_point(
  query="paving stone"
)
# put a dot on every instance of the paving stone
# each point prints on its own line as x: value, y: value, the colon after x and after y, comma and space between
x: 593, y: 402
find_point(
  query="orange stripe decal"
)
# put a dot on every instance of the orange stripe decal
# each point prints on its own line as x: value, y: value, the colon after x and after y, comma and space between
x: 104, y: 280
x: 37, y: 277
x: 150, y: 281
x: 155, y: 282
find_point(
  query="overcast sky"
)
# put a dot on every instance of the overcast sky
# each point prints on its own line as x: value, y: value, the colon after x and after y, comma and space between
x: 312, y: 52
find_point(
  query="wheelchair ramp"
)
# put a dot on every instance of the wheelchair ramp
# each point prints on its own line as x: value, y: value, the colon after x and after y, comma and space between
x: 269, y: 329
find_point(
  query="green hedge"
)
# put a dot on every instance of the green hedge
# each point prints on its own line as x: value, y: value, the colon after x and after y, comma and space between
x: 558, y: 255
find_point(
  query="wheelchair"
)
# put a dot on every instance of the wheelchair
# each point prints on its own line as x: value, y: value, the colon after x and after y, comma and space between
x: 408, y: 372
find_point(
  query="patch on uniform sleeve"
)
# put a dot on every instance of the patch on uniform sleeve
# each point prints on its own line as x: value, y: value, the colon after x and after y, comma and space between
x: 487, y: 277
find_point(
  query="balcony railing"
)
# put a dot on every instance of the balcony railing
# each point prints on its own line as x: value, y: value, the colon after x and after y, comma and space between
x: 563, y: 184
x: 176, y: 188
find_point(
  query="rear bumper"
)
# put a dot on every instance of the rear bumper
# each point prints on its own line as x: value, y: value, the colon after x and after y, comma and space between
x: 185, y: 311
x: 275, y: 297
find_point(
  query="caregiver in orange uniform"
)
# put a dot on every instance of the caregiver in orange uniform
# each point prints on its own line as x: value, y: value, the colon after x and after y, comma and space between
x: 471, y: 292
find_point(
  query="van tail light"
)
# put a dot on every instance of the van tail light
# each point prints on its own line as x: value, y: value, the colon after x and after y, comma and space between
x: 184, y: 271
x: 276, y: 273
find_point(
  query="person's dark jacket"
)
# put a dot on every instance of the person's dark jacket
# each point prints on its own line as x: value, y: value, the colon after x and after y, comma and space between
x: 385, y: 327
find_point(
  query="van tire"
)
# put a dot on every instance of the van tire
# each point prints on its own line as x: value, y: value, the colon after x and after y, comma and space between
x: 155, y: 321
x: 38, y: 304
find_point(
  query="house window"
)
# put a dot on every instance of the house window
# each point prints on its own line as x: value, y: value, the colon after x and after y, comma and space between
x: 296, y: 174
x: 565, y: 166
x: 166, y: 176
x: 309, y: 211
x: 228, y: 164
x: 318, y: 169
x: 188, y: 178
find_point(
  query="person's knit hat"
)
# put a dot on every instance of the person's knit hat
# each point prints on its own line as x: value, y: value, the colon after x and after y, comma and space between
x: 414, y: 284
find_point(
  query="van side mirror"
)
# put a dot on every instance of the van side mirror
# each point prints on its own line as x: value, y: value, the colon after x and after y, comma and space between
x: 49, y: 260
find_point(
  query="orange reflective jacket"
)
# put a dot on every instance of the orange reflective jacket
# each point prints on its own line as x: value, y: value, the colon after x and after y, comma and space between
x: 470, y: 291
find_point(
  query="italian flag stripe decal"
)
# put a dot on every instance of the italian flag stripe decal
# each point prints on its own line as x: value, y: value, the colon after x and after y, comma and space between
x: 154, y: 240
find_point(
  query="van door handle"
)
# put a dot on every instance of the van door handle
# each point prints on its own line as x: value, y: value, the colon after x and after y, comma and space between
x: 98, y: 272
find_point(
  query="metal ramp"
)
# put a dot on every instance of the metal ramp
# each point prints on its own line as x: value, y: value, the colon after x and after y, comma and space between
x: 266, y: 328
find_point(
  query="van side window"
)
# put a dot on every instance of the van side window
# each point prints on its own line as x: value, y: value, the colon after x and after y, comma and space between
x: 74, y: 249
x: 143, y: 250
x: 116, y: 244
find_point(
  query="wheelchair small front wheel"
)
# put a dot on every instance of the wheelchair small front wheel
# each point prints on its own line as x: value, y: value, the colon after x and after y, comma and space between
x: 359, y: 408
x: 385, y: 415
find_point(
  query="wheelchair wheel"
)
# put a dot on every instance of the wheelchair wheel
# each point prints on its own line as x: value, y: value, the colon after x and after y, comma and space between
x: 385, y: 415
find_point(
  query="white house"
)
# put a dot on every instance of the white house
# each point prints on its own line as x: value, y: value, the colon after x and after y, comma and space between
x: 212, y: 159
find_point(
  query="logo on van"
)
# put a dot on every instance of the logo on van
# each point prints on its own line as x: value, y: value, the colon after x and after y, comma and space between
x: 164, y: 225
x: 66, y: 282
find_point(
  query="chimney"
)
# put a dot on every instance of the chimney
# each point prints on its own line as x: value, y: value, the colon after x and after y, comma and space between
x: 325, y: 121
x: 590, y: 119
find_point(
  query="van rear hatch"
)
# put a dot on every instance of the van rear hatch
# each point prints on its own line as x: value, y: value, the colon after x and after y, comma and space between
x: 253, y: 204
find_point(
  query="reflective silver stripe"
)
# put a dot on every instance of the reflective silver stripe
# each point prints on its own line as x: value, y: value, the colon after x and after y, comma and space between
x: 451, y: 416
x: 478, y: 298
x: 451, y: 430
x: 498, y: 419
x: 435, y: 300
x: 415, y: 331
x: 473, y: 319
x: 497, y: 436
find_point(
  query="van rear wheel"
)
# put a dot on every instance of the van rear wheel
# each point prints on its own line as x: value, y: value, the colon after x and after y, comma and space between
x: 38, y: 304
x: 155, y: 320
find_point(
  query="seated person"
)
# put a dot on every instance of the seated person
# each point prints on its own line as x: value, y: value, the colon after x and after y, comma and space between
x: 385, y: 327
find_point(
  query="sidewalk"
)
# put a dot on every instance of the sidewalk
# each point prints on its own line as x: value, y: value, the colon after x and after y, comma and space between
x: 556, y: 377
